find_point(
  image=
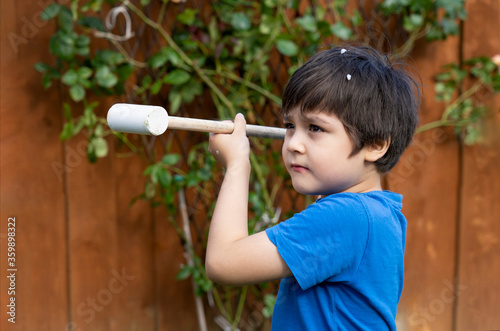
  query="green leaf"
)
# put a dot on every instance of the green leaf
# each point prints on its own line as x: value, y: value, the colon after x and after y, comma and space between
x: 94, y: 5
x: 100, y: 147
x: 287, y: 47
x: 190, y: 90
x: 70, y: 77
x: 156, y: 87
x: 164, y: 178
x: 91, y: 22
x: 146, y: 81
x: 450, y: 26
x: 41, y: 67
x: 205, y: 173
x: 149, y: 190
x: 184, y: 273
x: 148, y: 170
x: 172, y: 56
x: 495, y: 83
x: 107, y: 57
x: 471, y: 135
x: 67, y: 131
x: 65, y: 19
x: 77, y: 93
x: 105, y: 78
x: 266, y: 24
x: 192, y: 180
x: 177, y: 77
x: 356, y: 18
x: 175, y: 99
x: 213, y: 30
x: 67, y: 111
x: 269, y: 302
x: 157, y: 60
x: 62, y: 45
x: 46, y: 80
x: 293, y: 4
x: 165, y: 54
x: 188, y: 16
x: 144, y: 3
x: 412, y: 22
x: 270, y: 3
x: 154, y: 173
x: 240, y: 22
x: 50, y: 11
x: 171, y: 159
x: 84, y: 72
x: 168, y: 197
x: 82, y: 41
x: 342, y: 31
x: 439, y: 87
x: 82, y: 51
x: 124, y: 71
x: 307, y: 22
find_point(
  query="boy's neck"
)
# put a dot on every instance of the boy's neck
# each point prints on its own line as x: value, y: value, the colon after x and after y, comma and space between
x: 371, y: 181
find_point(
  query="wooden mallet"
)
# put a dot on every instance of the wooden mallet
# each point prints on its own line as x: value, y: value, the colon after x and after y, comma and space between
x: 154, y: 120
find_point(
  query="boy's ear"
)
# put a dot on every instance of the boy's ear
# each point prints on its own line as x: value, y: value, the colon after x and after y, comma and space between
x: 377, y: 150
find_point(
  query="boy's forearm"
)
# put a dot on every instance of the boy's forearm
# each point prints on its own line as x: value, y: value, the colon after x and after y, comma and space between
x: 230, y: 219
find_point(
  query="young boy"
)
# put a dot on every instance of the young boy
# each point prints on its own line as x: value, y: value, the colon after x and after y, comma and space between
x: 348, y: 116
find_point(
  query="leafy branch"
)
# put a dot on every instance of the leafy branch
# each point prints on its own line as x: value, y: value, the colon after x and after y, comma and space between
x: 467, y: 108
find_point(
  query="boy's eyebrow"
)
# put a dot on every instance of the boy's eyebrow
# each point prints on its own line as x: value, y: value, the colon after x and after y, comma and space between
x: 312, y: 118
x: 306, y: 117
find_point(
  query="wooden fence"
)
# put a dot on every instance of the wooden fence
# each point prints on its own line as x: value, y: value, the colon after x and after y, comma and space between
x: 85, y: 260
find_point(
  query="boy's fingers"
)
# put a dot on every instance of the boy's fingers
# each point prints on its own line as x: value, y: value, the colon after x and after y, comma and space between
x: 240, y: 124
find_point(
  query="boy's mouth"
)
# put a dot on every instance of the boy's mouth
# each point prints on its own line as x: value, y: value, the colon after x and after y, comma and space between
x: 298, y: 167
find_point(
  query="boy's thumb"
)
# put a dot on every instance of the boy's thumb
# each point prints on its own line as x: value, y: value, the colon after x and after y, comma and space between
x: 240, y: 124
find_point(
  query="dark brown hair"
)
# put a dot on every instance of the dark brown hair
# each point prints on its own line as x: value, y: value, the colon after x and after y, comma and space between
x: 376, y: 102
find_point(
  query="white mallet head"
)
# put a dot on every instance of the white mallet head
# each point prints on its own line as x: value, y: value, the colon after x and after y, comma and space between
x: 141, y: 119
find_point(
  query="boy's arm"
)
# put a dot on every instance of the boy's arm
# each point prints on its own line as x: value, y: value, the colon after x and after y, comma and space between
x: 233, y: 257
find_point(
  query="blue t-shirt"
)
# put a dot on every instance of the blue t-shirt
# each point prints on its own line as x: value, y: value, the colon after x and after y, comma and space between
x: 346, y: 255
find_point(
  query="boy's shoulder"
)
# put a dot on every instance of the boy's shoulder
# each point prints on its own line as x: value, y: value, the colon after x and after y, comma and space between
x: 373, y: 205
x: 347, y: 198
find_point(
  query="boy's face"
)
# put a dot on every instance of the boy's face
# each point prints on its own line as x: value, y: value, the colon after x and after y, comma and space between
x: 316, y: 154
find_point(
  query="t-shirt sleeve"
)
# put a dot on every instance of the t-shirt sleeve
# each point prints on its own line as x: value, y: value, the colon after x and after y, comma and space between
x: 325, y: 242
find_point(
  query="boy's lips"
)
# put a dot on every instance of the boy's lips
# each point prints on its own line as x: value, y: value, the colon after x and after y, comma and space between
x: 298, y: 167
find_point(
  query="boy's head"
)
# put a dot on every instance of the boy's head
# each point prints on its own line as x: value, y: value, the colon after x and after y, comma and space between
x: 374, y: 101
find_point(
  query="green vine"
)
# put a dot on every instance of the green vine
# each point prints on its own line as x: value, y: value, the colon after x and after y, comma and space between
x: 476, y: 78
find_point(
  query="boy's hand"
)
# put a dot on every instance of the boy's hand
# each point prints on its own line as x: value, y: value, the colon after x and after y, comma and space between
x: 231, y: 149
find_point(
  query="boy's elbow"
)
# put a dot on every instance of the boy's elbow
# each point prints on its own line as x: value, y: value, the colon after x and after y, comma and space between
x: 211, y: 270
x: 218, y: 272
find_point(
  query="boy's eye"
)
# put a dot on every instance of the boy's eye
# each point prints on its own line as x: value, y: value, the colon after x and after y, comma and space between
x: 315, y: 128
x: 288, y: 125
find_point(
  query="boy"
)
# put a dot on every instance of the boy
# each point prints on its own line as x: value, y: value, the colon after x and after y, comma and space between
x: 348, y: 116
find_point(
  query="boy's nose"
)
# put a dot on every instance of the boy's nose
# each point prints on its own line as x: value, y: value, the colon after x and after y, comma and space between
x: 295, y: 143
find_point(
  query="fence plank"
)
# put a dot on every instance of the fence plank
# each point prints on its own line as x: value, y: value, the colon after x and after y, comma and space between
x: 175, y: 303
x: 136, y: 247
x: 93, y: 240
x: 427, y: 176
x: 31, y: 186
x: 479, y: 247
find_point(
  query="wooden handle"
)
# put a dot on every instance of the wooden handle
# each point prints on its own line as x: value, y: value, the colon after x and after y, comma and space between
x: 193, y: 124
